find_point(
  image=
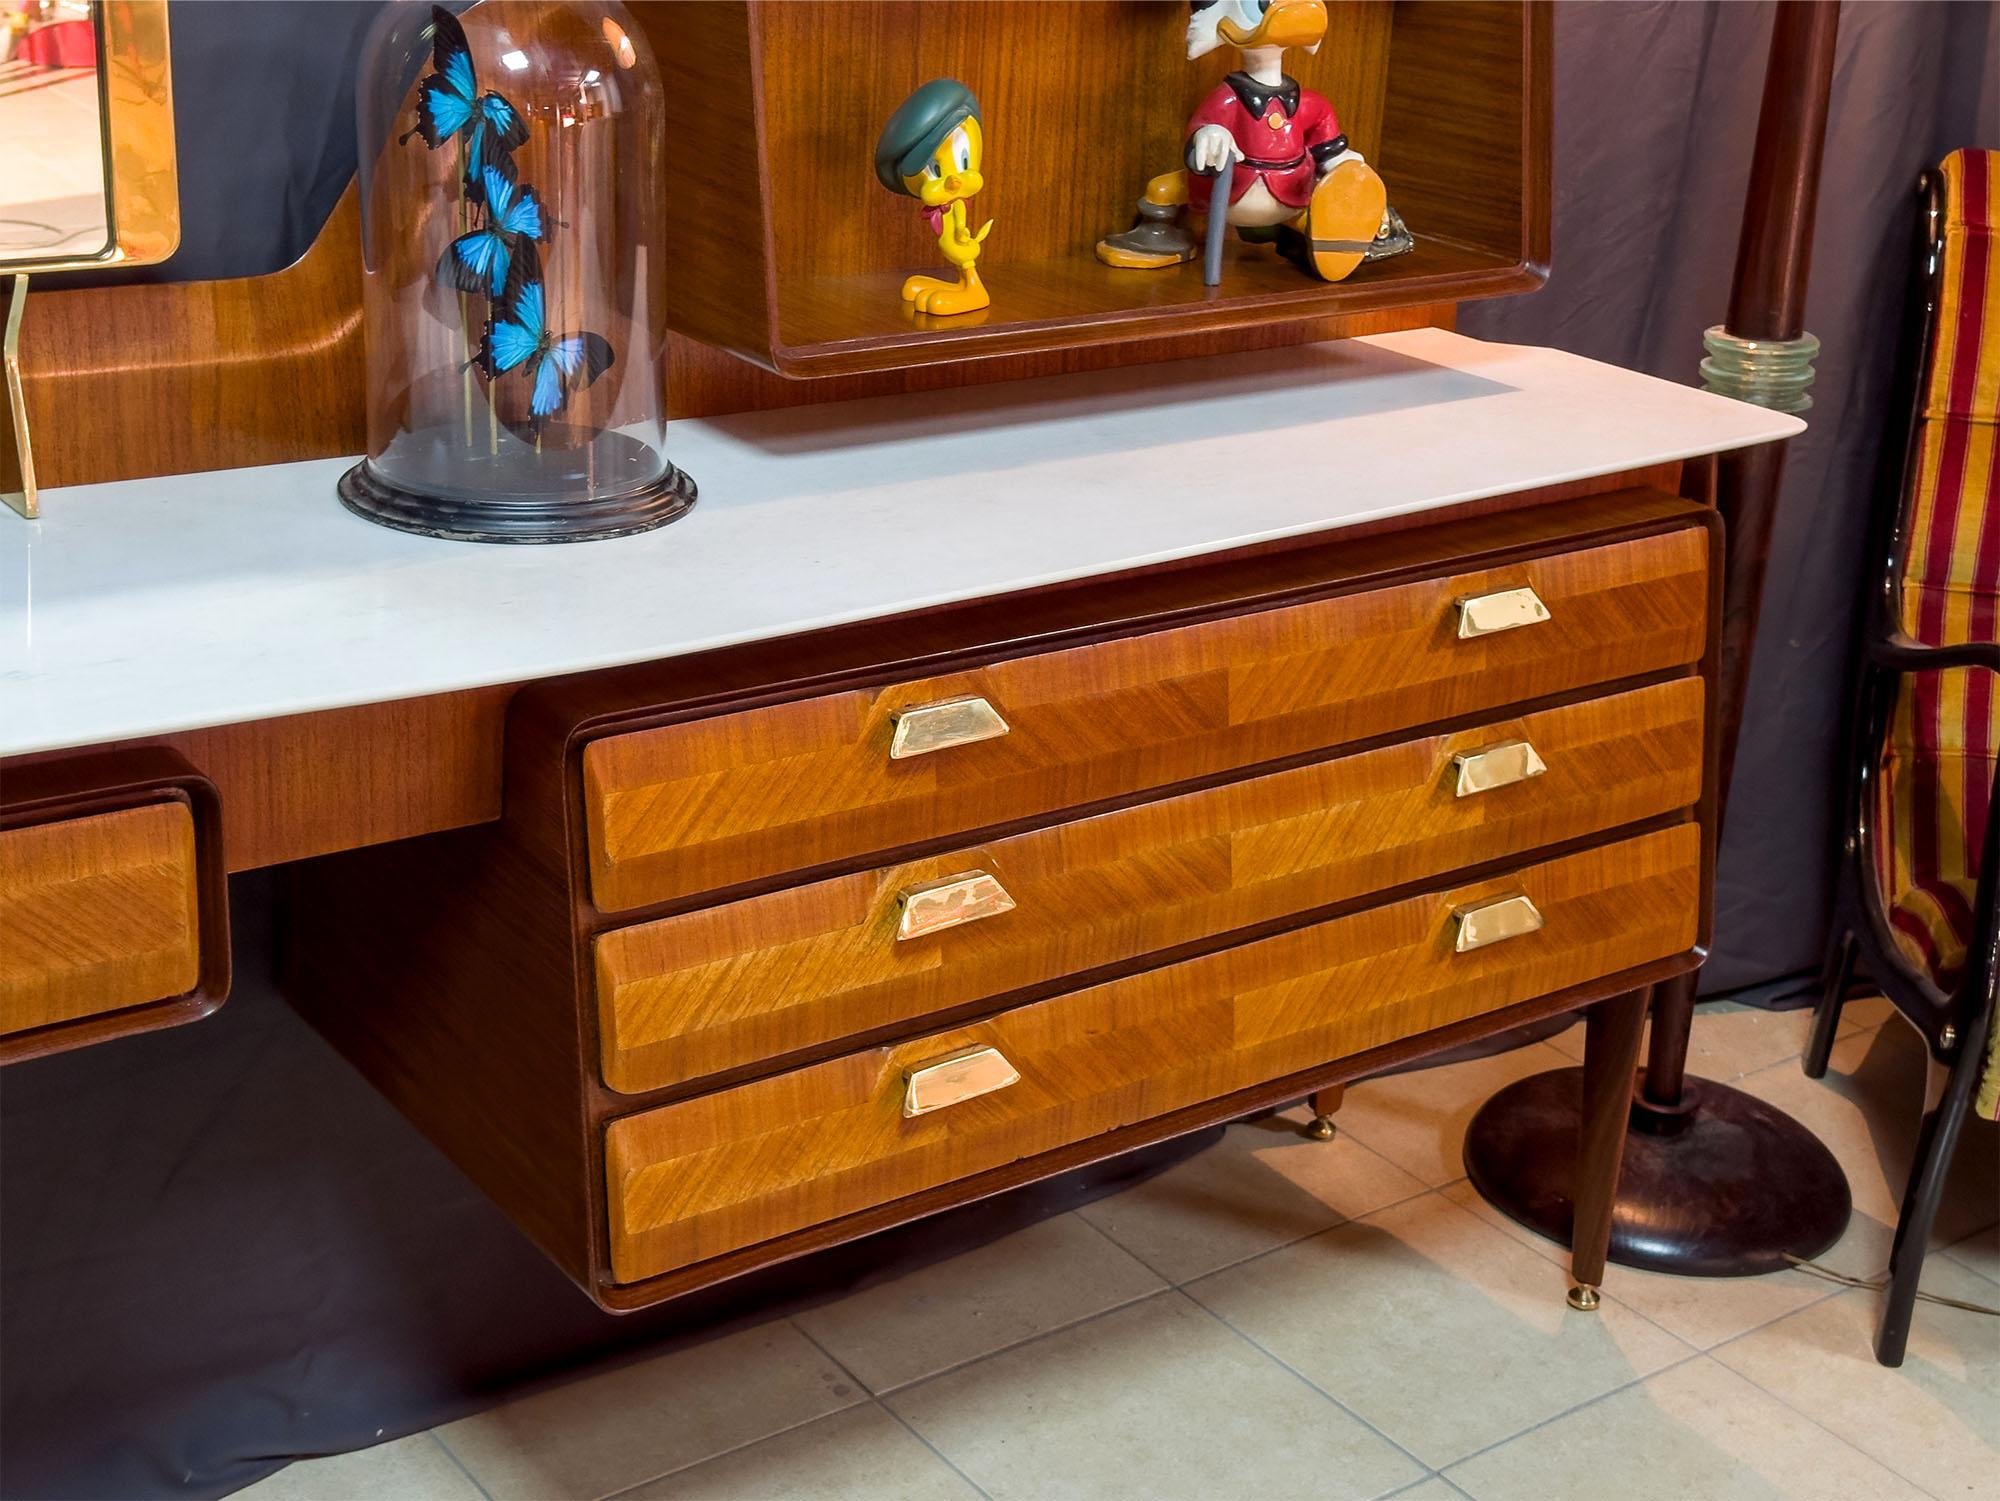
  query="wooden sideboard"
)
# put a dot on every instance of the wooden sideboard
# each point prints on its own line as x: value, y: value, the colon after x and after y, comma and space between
x: 829, y: 858
x: 1221, y: 838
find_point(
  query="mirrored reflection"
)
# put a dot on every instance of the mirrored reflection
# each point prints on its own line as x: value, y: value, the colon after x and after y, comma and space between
x: 53, y: 200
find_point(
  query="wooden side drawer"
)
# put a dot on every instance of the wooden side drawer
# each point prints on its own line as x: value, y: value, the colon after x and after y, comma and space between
x: 98, y: 913
x: 715, y: 989
x: 709, y: 1175
x: 113, y: 905
x: 706, y: 804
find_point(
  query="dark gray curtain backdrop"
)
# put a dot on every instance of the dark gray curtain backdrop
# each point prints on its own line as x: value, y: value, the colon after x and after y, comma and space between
x: 1656, y: 106
x: 221, y: 1249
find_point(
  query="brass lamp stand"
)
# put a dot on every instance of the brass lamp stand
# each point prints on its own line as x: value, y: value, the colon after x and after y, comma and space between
x: 1715, y: 1182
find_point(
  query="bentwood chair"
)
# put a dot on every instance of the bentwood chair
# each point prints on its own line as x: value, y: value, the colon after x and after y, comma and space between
x: 1918, y: 894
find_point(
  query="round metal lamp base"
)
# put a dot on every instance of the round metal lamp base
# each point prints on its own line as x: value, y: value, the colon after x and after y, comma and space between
x: 483, y: 518
x: 1725, y: 1186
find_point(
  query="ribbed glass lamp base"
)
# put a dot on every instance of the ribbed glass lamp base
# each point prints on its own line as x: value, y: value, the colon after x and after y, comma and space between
x: 1770, y: 373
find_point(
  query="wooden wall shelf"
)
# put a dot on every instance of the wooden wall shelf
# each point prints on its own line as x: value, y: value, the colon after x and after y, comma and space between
x: 800, y: 253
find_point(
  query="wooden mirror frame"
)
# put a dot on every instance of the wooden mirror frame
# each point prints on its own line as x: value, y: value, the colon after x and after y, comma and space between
x: 142, y: 206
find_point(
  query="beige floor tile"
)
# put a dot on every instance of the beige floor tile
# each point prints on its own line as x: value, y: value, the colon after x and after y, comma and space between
x: 1437, y: 1488
x: 1466, y: 1197
x: 1418, y: 1120
x: 410, y: 1469
x: 1980, y: 1252
x: 1704, y: 1311
x: 1570, y: 1041
x: 1263, y: 1185
x: 1864, y: 1012
x: 859, y: 1454
x: 1934, y: 1420
x: 606, y: 1432
x: 1725, y: 1034
x: 1429, y: 1324
x: 1731, y: 1039
x: 1695, y: 1430
x: 943, y: 1315
x: 1157, y: 1401
x: 1867, y: 1111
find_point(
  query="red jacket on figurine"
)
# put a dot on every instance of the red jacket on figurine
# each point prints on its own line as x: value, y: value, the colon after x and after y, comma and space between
x: 1282, y: 135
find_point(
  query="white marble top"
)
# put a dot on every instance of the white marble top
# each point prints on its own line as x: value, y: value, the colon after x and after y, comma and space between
x: 150, y: 606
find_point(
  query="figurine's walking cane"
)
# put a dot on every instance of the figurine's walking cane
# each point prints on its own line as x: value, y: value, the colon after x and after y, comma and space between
x: 1218, y: 216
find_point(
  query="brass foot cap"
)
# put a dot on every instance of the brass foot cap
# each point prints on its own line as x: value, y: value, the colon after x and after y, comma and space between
x: 1583, y: 1297
x: 1320, y: 1128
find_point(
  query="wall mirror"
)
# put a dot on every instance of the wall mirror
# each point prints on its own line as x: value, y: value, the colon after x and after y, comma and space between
x: 87, y: 166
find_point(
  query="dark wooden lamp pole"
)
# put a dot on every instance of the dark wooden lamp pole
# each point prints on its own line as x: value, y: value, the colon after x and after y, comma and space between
x: 1715, y: 1183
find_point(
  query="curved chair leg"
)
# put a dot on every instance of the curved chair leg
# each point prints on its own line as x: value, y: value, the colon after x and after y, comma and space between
x: 1935, y: 1146
x: 1835, y: 974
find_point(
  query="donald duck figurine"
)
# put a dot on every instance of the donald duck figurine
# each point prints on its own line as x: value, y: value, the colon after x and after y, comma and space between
x: 931, y: 150
x: 1292, y: 177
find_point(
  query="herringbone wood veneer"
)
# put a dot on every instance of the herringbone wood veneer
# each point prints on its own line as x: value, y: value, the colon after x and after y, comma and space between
x: 710, y: 803
x: 734, y: 984
x: 705, y: 1176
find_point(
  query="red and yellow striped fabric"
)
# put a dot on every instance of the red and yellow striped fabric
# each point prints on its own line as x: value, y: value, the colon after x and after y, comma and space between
x: 1937, y: 765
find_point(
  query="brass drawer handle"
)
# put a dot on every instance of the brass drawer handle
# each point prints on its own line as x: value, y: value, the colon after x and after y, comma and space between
x: 1494, y: 922
x: 1497, y: 766
x: 937, y: 905
x: 923, y: 728
x: 1487, y: 614
x: 954, y: 1079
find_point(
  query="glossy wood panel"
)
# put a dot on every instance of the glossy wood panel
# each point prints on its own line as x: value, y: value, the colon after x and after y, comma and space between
x: 127, y: 382
x: 1066, y: 156
x: 706, y: 1176
x: 96, y: 914
x: 815, y: 254
x: 1471, y: 167
x: 710, y: 803
x: 726, y: 986
x: 307, y: 784
x: 441, y: 969
x: 172, y: 378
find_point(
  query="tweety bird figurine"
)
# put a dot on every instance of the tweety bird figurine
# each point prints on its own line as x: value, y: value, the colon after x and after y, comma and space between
x: 930, y: 150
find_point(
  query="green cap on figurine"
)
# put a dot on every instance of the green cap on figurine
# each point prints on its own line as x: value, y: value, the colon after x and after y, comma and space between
x: 920, y: 124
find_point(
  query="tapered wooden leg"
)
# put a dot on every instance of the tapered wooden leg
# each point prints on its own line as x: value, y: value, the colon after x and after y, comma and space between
x: 1610, y: 1057
x: 1324, y: 1105
x: 1835, y: 974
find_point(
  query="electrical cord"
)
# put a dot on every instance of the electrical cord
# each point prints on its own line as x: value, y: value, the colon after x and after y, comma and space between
x: 1876, y: 1284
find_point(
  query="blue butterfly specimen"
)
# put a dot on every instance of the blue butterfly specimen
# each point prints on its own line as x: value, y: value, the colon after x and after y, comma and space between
x: 519, y: 334
x: 478, y: 261
x: 449, y: 103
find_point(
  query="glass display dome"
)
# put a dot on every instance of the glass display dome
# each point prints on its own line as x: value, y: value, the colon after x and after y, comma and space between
x: 512, y: 292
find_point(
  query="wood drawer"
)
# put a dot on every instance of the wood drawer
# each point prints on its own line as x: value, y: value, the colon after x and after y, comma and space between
x: 114, y: 907
x: 715, y: 989
x: 706, y: 804
x: 709, y: 1175
x: 98, y: 913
